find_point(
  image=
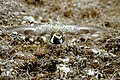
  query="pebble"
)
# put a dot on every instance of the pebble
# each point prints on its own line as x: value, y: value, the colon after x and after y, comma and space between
x: 14, y: 34
x: 29, y: 18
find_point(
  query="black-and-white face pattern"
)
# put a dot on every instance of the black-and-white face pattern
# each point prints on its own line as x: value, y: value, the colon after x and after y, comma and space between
x: 57, y: 38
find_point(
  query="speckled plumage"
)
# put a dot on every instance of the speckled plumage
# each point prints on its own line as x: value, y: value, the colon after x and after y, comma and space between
x: 54, y: 27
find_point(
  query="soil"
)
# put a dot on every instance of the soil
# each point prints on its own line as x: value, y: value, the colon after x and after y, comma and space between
x: 84, y: 56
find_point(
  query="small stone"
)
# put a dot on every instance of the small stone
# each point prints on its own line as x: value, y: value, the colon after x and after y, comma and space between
x: 14, y: 34
x: 22, y: 37
x: 29, y: 18
x: 44, y: 38
x: 0, y: 33
x: 1, y: 9
x: 31, y: 39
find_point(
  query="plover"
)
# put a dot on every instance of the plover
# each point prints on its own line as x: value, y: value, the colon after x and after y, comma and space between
x: 57, y: 38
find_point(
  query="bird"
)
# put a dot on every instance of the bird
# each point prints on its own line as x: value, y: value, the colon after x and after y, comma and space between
x: 57, y: 38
